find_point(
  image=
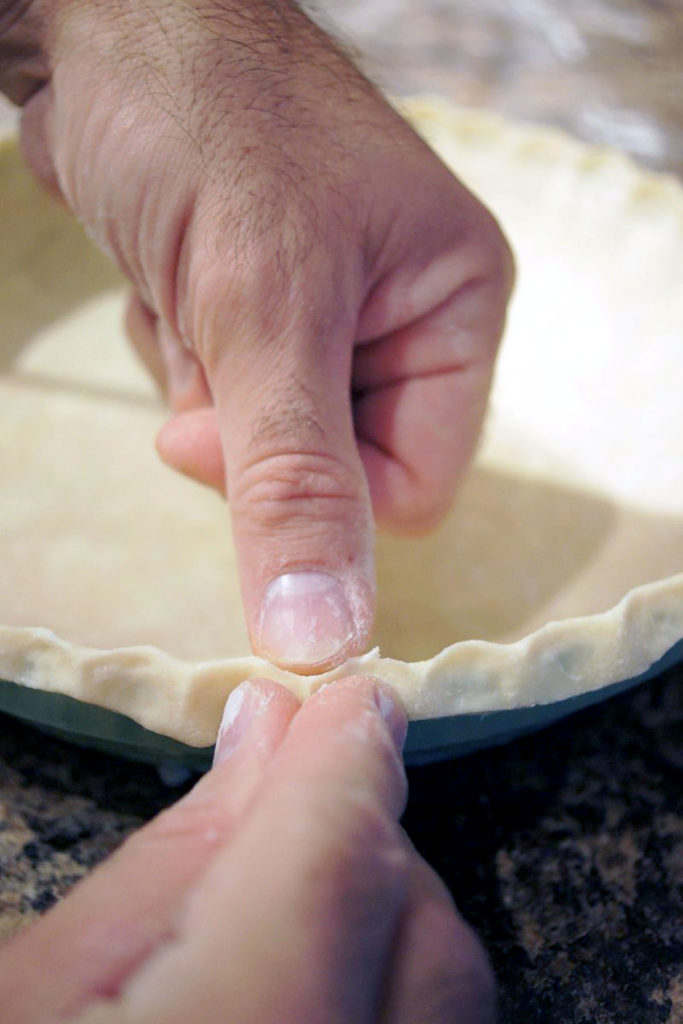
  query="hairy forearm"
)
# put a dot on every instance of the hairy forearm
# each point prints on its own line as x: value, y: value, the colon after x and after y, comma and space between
x: 35, y: 35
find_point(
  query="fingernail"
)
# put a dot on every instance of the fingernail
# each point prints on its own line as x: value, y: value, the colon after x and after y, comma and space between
x: 305, y: 619
x: 243, y: 705
x: 393, y: 714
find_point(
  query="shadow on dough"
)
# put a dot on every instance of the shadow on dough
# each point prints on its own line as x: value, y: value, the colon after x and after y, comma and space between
x: 51, y: 265
x: 506, y: 548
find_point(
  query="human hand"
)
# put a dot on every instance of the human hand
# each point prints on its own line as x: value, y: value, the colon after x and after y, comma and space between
x: 319, y: 296
x: 281, y: 889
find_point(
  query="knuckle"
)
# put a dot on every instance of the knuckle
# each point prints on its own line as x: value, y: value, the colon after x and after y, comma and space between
x: 232, y: 297
x: 463, y: 978
x: 362, y: 890
x: 366, y: 871
x: 195, y: 820
x: 288, y: 488
x: 497, y: 260
x: 253, y: 283
x: 452, y: 989
x: 488, y: 288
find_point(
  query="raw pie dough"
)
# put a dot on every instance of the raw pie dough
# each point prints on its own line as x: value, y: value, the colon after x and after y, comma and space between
x: 576, y: 498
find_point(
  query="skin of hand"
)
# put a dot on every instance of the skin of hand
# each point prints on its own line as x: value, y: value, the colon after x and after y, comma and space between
x: 320, y: 298
x: 281, y: 888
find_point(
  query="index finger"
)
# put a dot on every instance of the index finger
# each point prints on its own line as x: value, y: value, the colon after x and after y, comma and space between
x: 96, y: 937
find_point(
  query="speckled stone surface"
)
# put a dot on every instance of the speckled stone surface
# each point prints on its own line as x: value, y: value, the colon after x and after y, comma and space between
x: 564, y: 849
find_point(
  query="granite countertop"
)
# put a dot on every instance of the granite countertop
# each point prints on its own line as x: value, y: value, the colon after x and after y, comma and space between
x: 564, y: 849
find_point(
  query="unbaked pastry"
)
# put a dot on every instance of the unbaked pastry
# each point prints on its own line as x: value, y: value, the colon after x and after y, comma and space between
x: 553, y: 574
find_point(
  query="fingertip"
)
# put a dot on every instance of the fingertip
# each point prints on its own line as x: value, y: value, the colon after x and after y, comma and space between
x: 348, y: 737
x: 310, y: 621
x: 369, y: 692
x: 246, y: 705
x: 316, y: 610
x: 189, y: 443
x: 392, y: 712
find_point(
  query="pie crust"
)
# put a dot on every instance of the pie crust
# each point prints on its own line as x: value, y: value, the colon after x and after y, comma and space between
x: 554, y: 574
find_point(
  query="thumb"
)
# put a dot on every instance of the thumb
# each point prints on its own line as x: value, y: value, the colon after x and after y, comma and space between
x: 299, y: 501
